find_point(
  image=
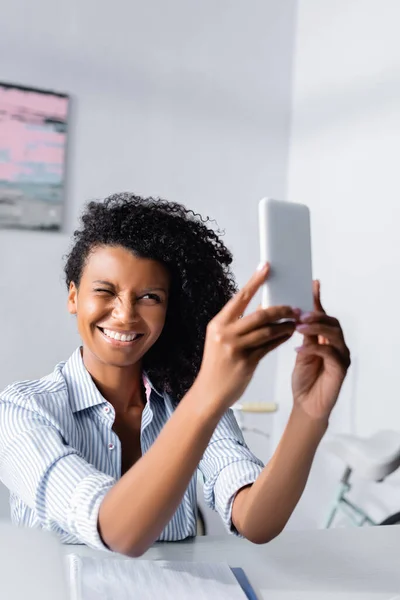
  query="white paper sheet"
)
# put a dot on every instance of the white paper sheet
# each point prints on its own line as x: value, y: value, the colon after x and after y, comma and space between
x: 108, y: 579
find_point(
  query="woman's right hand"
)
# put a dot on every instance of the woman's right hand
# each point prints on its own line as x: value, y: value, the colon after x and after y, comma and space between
x: 234, y: 346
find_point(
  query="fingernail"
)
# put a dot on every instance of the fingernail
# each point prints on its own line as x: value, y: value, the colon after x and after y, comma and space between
x: 297, y: 311
x: 262, y: 265
x: 301, y: 328
x: 305, y: 316
x: 298, y: 349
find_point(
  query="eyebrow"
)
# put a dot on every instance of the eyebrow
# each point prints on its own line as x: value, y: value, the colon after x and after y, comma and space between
x: 154, y: 289
x: 103, y: 282
x: 146, y: 290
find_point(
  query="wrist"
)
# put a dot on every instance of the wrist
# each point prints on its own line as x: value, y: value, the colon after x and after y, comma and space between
x: 203, y: 404
x: 314, y: 424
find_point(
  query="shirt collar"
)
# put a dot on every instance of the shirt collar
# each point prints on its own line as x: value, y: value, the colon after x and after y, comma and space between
x: 149, y: 387
x: 82, y: 390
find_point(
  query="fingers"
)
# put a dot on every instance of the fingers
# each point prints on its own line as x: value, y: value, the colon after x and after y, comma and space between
x: 259, y: 353
x: 264, y: 335
x: 264, y: 316
x: 319, y: 317
x: 326, y: 353
x: 319, y: 310
x: 317, y: 296
x: 238, y: 304
x: 321, y: 330
x: 330, y: 334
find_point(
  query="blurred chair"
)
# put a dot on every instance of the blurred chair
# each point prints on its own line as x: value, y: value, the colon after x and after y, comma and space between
x: 372, y: 458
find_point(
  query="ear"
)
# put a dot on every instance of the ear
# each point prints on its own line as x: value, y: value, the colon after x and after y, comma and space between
x: 73, y: 299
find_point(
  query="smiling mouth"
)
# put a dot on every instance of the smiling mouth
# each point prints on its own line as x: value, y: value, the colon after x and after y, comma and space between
x: 118, y: 336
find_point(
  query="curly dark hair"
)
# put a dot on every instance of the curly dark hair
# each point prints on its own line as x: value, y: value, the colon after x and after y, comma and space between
x: 198, y: 263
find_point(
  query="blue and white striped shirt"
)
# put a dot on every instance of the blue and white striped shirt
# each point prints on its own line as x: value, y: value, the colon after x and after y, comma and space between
x: 59, y: 456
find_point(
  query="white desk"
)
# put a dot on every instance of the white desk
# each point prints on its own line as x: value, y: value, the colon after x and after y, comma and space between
x: 336, y: 564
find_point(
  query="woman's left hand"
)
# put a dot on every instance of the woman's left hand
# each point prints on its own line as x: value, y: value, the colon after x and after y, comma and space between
x: 322, y: 361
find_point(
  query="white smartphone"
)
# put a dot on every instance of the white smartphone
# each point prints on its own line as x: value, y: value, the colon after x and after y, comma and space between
x: 285, y: 242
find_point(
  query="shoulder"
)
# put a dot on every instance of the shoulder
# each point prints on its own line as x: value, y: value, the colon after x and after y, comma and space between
x: 41, y: 396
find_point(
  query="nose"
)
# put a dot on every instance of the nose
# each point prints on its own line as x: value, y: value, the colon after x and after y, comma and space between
x: 125, y: 310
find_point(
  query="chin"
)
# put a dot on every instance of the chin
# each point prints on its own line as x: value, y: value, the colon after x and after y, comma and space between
x: 113, y: 358
x: 119, y: 358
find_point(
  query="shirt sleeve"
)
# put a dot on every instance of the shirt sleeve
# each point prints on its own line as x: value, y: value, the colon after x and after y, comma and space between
x: 49, y: 476
x: 227, y: 465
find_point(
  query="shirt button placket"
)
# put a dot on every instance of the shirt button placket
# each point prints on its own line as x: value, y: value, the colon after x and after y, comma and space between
x: 110, y: 445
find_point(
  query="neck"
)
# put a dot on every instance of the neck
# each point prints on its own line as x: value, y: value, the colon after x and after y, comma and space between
x: 121, y: 386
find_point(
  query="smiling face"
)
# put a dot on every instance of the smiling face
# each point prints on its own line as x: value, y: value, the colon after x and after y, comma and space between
x: 120, y: 304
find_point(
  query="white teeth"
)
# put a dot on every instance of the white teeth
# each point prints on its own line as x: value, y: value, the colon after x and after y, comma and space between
x: 122, y: 337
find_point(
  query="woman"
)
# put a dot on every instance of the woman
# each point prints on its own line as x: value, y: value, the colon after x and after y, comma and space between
x: 104, y: 451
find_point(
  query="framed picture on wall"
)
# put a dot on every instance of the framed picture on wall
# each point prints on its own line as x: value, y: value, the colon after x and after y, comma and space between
x: 33, y: 137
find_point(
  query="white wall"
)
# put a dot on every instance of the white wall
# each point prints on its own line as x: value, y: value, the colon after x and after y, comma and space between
x: 187, y: 100
x: 344, y: 158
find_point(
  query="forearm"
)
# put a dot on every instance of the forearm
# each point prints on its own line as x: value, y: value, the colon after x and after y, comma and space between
x: 137, y: 508
x: 261, y: 511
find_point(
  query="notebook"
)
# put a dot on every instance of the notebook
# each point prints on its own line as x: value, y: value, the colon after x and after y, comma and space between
x: 128, y: 579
